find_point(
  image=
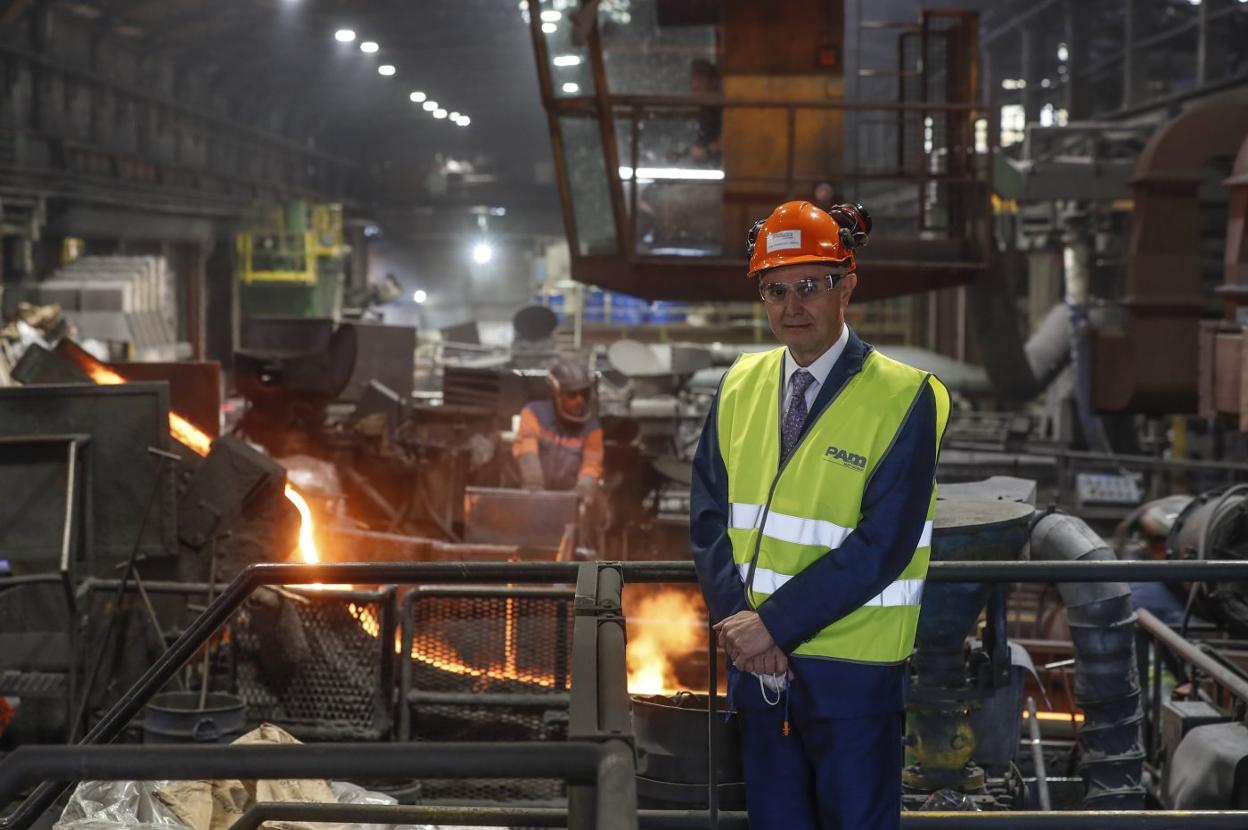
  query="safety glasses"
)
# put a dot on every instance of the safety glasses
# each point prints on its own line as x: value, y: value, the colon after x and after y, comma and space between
x: 776, y: 293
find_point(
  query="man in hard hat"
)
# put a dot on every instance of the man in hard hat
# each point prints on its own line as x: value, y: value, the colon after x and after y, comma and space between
x: 559, y: 443
x: 811, y: 515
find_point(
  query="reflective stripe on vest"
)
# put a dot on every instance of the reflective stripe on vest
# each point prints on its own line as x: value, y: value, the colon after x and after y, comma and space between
x: 785, y: 517
x: 901, y: 592
x: 800, y: 531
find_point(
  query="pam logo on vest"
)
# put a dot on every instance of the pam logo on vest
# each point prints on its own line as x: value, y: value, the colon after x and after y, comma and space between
x: 846, y: 459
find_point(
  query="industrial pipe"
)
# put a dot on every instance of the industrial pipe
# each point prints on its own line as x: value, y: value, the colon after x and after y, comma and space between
x: 1107, y: 683
x: 1037, y: 756
x: 1004, y: 571
x: 1225, y: 677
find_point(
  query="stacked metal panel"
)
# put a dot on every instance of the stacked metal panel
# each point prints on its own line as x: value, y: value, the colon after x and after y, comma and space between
x: 116, y: 299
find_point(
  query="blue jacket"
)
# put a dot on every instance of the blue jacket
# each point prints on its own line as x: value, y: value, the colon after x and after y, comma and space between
x: 894, y: 509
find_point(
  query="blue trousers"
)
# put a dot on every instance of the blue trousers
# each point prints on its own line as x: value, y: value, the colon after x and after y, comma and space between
x: 827, y: 774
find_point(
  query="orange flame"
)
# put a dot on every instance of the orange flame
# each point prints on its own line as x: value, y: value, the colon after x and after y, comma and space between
x: 666, y: 628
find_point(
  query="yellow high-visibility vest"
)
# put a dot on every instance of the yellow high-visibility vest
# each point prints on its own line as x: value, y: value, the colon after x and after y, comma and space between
x: 784, y: 518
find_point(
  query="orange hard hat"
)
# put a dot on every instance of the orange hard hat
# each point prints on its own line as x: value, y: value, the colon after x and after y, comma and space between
x: 800, y: 232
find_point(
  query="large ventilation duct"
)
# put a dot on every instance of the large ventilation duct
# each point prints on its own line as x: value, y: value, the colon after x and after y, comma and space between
x: 1107, y: 682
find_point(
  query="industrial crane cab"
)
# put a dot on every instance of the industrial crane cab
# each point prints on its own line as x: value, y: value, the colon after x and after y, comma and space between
x: 676, y: 124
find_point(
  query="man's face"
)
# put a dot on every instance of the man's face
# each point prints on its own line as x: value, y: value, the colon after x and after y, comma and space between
x: 808, y: 328
x: 573, y: 402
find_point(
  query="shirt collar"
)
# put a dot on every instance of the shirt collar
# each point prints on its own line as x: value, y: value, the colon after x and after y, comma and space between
x: 823, y: 364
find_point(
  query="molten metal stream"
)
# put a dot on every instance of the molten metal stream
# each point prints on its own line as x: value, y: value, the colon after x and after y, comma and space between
x: 199, y: 443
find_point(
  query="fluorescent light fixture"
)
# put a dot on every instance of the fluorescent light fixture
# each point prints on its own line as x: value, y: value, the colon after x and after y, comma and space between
x: 551, y: 16
x: 673, y: 173
x: 482, y: 253
x: 571, y: 88
x: 419, y: 296
x: 417, y: 96
x: 368, y: 47
x: 567, y: 60
x: 454, y: 116
x: 344, y: 35
x: 463, y: 121
x: 430, y: 106
x: 385, y: 69
x: 439, y: 113
x: 549, y: 28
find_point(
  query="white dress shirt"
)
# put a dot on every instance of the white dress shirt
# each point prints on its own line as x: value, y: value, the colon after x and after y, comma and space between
x: 820, y: 369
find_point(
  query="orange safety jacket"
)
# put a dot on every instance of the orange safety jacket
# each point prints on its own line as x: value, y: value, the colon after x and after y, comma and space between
x: 566, y: 451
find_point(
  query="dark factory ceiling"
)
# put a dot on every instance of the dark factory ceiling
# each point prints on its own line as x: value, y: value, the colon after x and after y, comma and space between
x: 474, y: 57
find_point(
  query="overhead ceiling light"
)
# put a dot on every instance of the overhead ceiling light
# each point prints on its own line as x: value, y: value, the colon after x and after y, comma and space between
x: 463, y: 121
x: 439, y: 113
x: 454, y: 116
x: 549, y: 28
x: 419, y: 296
x: 551, y: 16
x: 571, y: 88
x: 567, y: 60
x: 344, y: 35
x: 482, y: 253
x: 673, y: 173
x: 430, y: 106
x: 417, y: 96
x: 369, y: 47
x: 385, y: 69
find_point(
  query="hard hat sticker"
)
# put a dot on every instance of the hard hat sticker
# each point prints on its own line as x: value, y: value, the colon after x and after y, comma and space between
x: 784, y: 240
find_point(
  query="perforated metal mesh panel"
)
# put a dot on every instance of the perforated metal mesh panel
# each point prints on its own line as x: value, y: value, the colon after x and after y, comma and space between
x: 488, y: 667
x: 315, y: 668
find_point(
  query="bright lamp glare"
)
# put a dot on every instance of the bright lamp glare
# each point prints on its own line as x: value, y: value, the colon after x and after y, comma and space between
x: 420, y: 296
x: 369, y: 47
x: 454, y: 116
x: 344, y: 35
x: 430, y: 106
x: 416, y: 97
x: 567, y: 60
x: 464, y: 121
x: 439, y: 113
x: 549, y: 28
x: 571, y: 88
x: 672, y: 173
x: 482, y: 253
x: 551, y: 16
x: 385, y: 69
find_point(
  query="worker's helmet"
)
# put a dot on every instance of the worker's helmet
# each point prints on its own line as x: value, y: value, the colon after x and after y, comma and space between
x: 800, y: 232
x: 567, y: 380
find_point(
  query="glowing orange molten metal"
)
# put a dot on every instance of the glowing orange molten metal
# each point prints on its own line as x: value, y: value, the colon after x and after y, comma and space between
x: 199, y: 442
x: 445, y: 658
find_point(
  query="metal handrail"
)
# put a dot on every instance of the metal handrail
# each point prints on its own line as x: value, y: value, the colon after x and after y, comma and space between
x: 698, y: 819
x: 220, y: 609
x: 600, y: 702
x: 600, y: 766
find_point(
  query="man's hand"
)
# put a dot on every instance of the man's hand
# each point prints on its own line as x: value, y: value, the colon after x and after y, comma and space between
x: 744, y: 636
x: 771, y: 661
x: 587, y: 488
